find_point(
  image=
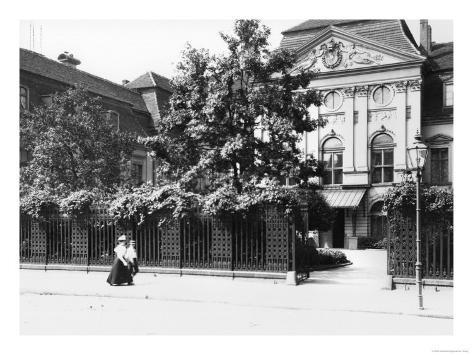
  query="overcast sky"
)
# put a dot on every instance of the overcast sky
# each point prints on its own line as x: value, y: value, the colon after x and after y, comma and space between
x: 125, y: 49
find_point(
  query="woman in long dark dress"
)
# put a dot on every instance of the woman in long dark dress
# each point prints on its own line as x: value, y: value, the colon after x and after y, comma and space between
x: 120, y: 273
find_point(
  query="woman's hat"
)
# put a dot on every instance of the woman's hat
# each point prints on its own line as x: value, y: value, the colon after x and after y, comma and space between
x: 122, y: 238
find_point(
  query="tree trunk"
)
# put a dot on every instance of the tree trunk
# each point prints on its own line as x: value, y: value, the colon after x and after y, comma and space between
x: 236, y: 178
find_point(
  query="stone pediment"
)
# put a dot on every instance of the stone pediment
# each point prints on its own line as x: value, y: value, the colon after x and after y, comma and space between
x: 439, y: 139
x: 335, y: 50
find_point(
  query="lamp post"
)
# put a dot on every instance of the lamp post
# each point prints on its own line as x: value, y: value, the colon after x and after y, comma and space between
x: 417, y: 157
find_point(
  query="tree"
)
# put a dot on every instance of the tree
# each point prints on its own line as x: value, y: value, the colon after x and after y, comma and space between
x: 219, y: 105
x: 73, y: 145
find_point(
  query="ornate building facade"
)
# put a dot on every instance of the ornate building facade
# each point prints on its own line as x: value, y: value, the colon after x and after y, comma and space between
x: 378, y: 89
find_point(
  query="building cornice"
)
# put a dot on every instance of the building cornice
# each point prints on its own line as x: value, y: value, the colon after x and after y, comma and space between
x: 369, y: 70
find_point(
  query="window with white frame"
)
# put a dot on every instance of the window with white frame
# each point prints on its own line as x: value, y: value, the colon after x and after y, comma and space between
x: 24, y: 98
x: 382, y: 159
x: 332, y: 151
x: 448, y: 94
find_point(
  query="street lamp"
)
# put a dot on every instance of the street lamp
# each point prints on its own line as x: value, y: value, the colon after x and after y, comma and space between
x: 417, y: 157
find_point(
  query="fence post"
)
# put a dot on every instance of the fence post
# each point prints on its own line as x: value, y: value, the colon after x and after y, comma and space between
x: 291, y: 276
x: 46, y: 245
x: 389, y: 285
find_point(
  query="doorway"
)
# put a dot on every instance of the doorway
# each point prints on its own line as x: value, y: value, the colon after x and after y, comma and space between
x: 339, y: 229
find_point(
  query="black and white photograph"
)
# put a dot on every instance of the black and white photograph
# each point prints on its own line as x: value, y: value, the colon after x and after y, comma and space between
x: 239, y: 176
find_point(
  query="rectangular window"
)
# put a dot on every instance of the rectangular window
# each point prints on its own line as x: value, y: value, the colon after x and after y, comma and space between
x: 355, y: 117
x: 333, y: 168
x: 448, y: 94
x: 383, y: 168
x: 408, y: 112
x: 137, y: 173
x: 439, y: 166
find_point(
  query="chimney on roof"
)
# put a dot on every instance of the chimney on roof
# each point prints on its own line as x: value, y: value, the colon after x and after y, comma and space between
x: 68, y: 59
x: 124, y: 82
x: 425, y: 36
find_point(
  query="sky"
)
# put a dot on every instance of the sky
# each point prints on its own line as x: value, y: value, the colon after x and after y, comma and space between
x: 125, y: 49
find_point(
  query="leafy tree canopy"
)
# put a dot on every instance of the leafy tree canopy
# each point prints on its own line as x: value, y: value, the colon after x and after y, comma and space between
x: 73, y: 146
x: 222, y: 104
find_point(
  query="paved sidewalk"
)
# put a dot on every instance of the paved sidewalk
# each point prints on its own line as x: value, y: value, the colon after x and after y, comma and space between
x: 345, y: 301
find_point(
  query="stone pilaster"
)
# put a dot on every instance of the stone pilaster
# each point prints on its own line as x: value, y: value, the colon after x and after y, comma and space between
x: 349, y: 107
x: 361, y: 131
x: 414, y: 92
x: 400, y: 102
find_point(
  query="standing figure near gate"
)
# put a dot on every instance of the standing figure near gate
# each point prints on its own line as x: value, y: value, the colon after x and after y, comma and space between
x: 131, y: 257
x: 120, y: 273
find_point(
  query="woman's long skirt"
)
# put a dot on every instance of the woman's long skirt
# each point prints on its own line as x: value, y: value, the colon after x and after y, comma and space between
x: 119, y: 274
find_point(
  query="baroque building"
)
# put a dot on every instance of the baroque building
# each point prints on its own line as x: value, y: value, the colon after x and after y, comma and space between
x: 135, y: 106
x: 378, y: 89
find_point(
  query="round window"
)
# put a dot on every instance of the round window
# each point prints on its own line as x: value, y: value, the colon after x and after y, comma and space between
x: 333, y: 100
x: 382, y: 96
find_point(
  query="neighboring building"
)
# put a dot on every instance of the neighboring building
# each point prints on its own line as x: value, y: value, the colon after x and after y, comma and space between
x: 379, y: 88
x: 133, y: 110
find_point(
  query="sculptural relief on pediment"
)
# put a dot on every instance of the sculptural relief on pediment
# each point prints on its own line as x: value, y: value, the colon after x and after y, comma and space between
x: 336, y: 54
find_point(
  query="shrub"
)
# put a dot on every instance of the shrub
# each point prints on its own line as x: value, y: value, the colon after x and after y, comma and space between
x: 136, y: 204
x: 371, y: 243
x: 77, y: 203
x: 330, y: 257
x: 37, y: 203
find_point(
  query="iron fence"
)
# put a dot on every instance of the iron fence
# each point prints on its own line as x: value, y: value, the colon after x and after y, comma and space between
x: 257, y: 242
x: 436, y: 251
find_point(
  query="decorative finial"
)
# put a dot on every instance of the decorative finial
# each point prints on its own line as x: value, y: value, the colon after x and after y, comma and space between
x: 418, y: 136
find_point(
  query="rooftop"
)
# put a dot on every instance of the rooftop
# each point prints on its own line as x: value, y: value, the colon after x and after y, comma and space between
x: 150, y: 80
x: 41, y: 65
x: 392, y: 33
x: 441, y: 56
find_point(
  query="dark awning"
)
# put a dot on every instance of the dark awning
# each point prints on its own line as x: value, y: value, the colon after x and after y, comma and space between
x: 343, y: 198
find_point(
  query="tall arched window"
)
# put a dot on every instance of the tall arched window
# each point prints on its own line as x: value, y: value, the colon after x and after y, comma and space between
x: 382, y: 159
x: 378, y: 221
x: 333, y: 160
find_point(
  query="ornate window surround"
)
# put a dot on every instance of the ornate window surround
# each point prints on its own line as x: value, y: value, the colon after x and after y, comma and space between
x: 441, y: 141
